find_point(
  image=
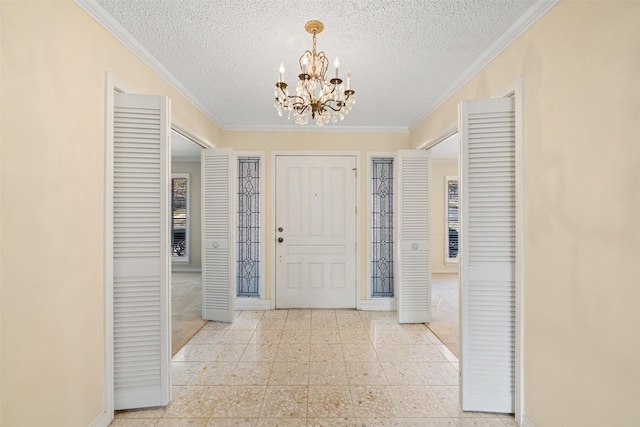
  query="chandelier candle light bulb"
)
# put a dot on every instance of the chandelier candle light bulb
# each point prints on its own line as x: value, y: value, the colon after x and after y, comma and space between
x: 324, y: 100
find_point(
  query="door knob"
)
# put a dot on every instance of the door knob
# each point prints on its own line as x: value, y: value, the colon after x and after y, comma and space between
x: 280, y: 240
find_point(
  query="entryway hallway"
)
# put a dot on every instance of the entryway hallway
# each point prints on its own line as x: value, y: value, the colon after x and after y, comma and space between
x: 313, y: 368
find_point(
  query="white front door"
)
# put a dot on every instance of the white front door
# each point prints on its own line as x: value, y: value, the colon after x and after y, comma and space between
x: 315, y: 231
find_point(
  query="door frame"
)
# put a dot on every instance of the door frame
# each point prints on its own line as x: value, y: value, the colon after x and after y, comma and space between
x: 112, y: 85
x: 270, y: 232
x: 515, y: 90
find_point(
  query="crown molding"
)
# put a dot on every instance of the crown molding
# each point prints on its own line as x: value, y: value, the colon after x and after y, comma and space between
x: 120, y: 33
x: 537, y: 11
x: 314, y: 128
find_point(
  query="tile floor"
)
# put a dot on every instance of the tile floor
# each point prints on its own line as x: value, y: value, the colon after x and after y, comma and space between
x: 313, y: 368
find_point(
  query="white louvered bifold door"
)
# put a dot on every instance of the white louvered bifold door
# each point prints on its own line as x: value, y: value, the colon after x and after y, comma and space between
x: 488, y: 254
x: 141, y: 294
x: 218, y: 257
x: 413, y: 248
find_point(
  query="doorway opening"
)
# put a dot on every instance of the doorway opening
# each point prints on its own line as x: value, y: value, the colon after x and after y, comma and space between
x: 186, y: 252
x: 444, y: 228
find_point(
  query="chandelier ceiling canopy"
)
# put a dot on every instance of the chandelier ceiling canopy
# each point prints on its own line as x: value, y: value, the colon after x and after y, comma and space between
x: 323, y: 100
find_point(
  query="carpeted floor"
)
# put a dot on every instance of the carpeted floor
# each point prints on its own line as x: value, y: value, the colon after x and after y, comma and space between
x: 444, y: 310
x: 186, y: 308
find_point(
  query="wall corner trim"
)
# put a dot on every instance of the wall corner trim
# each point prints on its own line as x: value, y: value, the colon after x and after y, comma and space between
x: 102, y: 420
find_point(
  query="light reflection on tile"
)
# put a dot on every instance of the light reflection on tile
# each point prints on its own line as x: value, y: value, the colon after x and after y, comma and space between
x: 313, y: 368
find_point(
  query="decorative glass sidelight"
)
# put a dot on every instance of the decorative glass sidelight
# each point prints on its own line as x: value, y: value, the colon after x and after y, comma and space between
x: 382, y: 227
x: 248, y: 245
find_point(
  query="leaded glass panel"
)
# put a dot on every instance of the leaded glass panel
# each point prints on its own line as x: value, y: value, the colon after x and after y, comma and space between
x: 248, y: 245
x: 382, y: 227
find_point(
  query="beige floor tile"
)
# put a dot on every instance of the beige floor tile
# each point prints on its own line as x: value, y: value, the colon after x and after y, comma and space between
x: 350, y: 323
x: 293, y: 352
x: 334, y: 422
x: 181, y: 372
x: 372, y: 401
x: 268, y: 323
x: 207, y: 336
x: 440, y: 373
x: 197, y: 353
x: 299, y: 314
x: 244, y: 323
x: 324, y: 323
x: 285, y: 402
x: 359, y: 352
x: 509, y: 421
x: 404, y: 373
x: 417, y: 401
x: 194, y: 402
x: 133, y: 422
x: 297, y: 323
x: 393, y: 353
x: 259, y: 353
x: 366, y: 373
x: 229, y: 352
x: 240, y: 401
x: 237, y: 336
x: 407, y: 422
x: 212, y: 373
x: 325, y: 336
x: 326, y: 352
x: 250, y: 373
x: 479, y: 422
x: 415, y: 337
x: 295, y: 336
x: 186, y: 422
x: 328, y: 373
x: 232, y: 422
x: 330, y: 401
x: 425, y: 353
x: 251, y: 314
x: 217, y: 326
x: 266, y: 336
x: 354, y: 336
x: 289, y: 373
x: 282, y: 422
x: 446, y: 352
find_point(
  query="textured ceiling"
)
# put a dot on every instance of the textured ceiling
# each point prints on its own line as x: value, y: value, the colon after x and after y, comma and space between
x: 405, y: 55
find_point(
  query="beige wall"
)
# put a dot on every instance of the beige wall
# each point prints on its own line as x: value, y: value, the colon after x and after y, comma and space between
x: 580, y: 65
x: 315, y: 141
x: 53, y: 63
x: 195, y: 212
x: 439, y: 170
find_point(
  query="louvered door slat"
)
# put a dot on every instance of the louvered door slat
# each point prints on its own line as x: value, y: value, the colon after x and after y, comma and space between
x: 488, y: 255
x: 140, y: 240
x: 414, y: 274
x: 218, y: 278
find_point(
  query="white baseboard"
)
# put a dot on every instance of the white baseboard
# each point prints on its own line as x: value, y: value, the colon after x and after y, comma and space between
x: 103, y: 420
x: 177, y: 269
x: 526, y: 422
x: 378, y: 304
x: 252, y: 304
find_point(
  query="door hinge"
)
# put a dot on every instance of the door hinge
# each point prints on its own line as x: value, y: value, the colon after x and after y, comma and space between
x: 356, y: 171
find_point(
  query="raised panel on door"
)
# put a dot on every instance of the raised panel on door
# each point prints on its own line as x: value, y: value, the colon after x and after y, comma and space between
x: 315, y: 207
x: 487, y: 255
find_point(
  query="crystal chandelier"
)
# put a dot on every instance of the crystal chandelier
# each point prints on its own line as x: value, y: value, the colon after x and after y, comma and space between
x: 324, y: 101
